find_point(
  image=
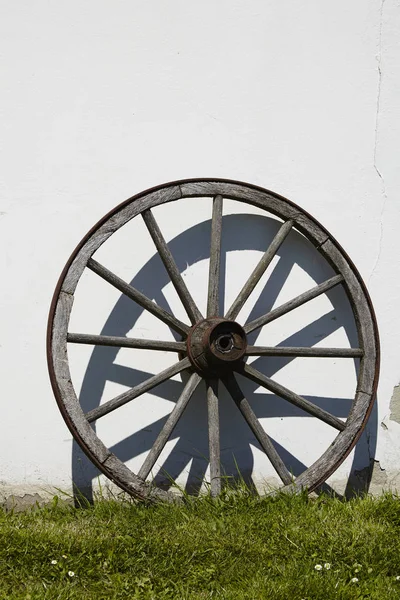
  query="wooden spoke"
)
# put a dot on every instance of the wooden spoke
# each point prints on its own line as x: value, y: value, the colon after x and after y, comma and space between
x: 213, y: 436
x: 298, y: 301
x: 169, y: 426
x: 259, y: 270
x: 215, y: 259
x: 138, y: 390
x: 300, y: 351
x: 264, y: 440
x: 124, y: 342
x: 137, y: 297
x: 290, y: 396
x: 172, y: 269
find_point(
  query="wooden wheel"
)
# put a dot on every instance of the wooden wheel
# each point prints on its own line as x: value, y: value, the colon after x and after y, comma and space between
x: 213, y: 347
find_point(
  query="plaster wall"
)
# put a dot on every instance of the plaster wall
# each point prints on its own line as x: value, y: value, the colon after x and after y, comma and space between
x: 102, y: 100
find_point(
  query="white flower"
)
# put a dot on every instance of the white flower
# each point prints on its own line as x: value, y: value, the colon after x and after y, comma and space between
x: 63, y: 556
x: 53, y: 562
x: 71, y: 573
x: 398, y: 578
x: 327, y: 566
x: 354, y: 580
x: 318, y: 567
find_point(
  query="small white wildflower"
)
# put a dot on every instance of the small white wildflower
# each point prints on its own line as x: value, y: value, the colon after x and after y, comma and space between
x: 327, y: 566
x: 318, y: 567
x: 71, y: 573
x: 53, y: 562
x: 397, y: 577
x: 63, y: 556
x: 354, y: 580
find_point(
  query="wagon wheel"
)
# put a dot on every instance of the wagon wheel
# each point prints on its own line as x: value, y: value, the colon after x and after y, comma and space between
x: 213, y: 347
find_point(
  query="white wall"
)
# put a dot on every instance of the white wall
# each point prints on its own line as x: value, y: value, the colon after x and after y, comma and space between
x: 101, y: 100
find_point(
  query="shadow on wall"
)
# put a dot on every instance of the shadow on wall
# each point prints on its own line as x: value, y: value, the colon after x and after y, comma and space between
x: 241, y: 232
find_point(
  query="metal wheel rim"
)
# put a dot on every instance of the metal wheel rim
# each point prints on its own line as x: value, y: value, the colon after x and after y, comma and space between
x: 273, y: 203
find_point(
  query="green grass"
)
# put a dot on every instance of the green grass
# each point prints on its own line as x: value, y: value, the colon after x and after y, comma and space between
x: 238, y: 546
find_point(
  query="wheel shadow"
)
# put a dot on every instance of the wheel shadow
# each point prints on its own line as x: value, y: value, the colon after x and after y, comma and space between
x: 190, y: 453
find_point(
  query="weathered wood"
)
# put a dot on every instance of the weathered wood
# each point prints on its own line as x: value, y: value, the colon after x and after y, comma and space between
x: 137, y: 297
x: 70, y: 408
x: 259, y: 270
x: 110, y: 224
x: 215, y: 258
x: 264, y: 199
x: 367, y: 333
x: 63, y: 387
x: 138, y: 390
x: 290, y: 396
x: 169, y: 426
x: 337, y: 451
x: 306, y: 352
x: 123, y: 342
x: 263, y: 439
x: 171, y: 267
x: 292, y: 304
x: 214, y: 437
x: 118, y: 472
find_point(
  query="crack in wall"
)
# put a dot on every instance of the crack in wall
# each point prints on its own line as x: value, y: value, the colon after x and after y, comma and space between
x: 378, y: 100
x: 377, y: 119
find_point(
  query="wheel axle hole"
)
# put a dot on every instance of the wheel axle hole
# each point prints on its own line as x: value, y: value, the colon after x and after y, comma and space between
x: 225, y: 343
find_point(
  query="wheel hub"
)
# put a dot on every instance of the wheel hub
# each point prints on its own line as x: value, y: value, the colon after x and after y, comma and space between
x: 216, y: 345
